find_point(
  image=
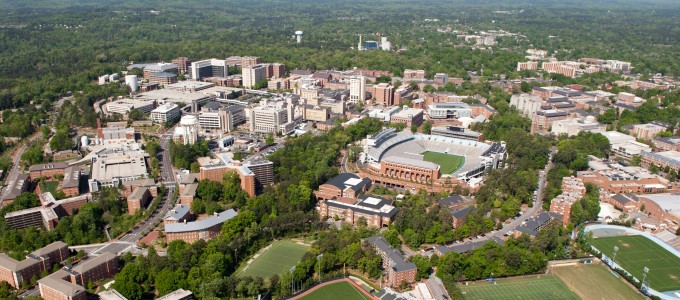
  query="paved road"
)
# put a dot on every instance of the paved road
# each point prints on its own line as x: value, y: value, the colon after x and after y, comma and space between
x: 14, y: 172
x: 168, y: 177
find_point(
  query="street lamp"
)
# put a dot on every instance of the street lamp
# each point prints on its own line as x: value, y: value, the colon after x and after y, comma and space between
x: 318, y: 259
x: 616, y: 249
x: 644, y: 276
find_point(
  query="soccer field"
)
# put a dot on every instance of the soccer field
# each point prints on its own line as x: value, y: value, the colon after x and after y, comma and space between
x: 595, y: 282
x: 278, y: 258
x: 448, y: 163
x: 341, y: 290
x: 637, y: 252
x: 527, y: 288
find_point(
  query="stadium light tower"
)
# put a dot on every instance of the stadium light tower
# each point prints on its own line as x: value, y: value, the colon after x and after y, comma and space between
x: 298, y: 35
x: 644, y: 276
x: 616, y: 249
x: 318, y: 258
x: 292, y: 280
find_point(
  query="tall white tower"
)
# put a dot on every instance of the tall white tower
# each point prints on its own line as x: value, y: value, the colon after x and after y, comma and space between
x: 360, y: 46
x: 187, y: 132
x: 298, y: 35
x: 357, y: 89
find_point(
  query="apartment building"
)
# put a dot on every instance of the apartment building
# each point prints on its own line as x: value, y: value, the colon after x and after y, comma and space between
x: 529, y: 65
x: 614, y: 178
x: 94, y: 269
x: 384, y: 94
x: 183, y: 64
x: 408, y: 116
x: 162, y: 78
x: 663, y: 159
x: 343, y: 185
x: 253, y: 74
x: 410, y: 75
x: 648, y: 131
x: 527, y: 104
x: 399, y: 270
x: 357, y: 89
x: 376, y: 211
x: 671, y: 143
x: 17, y: 272
x: 167, y: 112
x: 249, y: 61
x: 223, y: 119
x: 139, y: 199
x: 48, y: 170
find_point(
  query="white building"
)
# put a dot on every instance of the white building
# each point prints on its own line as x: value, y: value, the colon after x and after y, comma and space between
x: 224, y: 119
x: 448, y: 110
x: 526, y: 103
x: 209, y: 68
x: 573, y: 126
x: 274, y: 115
x: 187, y: 131
x: 124, y: 106
x: 167, y: 112
x: 253, y: 75
x: 357, y: 89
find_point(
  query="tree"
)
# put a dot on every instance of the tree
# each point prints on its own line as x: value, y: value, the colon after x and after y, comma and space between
x: 136, y: 115
x: 209, y: 190
x: 427, y: 127
x: 423, y: 266
x: 269, y: 139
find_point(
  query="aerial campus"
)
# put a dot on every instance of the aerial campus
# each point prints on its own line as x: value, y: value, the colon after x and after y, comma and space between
x: 312, y: 150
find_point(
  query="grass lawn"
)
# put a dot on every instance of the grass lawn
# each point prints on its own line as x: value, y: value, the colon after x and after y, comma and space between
x: 637, y: 252
x: 527, y: 288
x: 341, y: 290
x: 50, y: 186
x: 278, y: 258
x: 448, y: 163
x: 596, y: 282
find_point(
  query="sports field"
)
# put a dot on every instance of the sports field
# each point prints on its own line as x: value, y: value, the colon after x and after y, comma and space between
x: 637, y: 252
x: 595, y: 282
x: 341, y: 290
x: 276, y: 259
x: 527, y: 288
x: 448, y: 163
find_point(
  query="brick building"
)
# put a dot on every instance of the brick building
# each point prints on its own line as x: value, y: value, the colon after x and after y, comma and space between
x: 671, y: 143
x: 408, y: 116
x: 205, y: 229
x: 384, y: 94
x: 138, y: 199
x: 179, y: 214
x: 377, y: 212
x: 48, y: 170
x: 343, y: 185
x: 94, y: 269
x: 399, y: 270
x: 573, y: 190
x: 17, y: 272
x: 409, y: 169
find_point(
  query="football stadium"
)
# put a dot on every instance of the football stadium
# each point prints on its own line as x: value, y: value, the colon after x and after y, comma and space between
x: 431, y: 162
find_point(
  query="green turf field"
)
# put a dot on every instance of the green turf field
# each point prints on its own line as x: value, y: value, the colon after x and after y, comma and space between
x: 637, y: 252
x: 528, y: 288
x: 449, y: 163
x: 280, y: 256
x: 596, y: 282
x: 341, y: 290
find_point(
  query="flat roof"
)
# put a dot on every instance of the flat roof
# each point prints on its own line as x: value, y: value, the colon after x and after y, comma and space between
x: 165, y: 108
x: 119, y: 165
x: 668, y: 202
x: 92, y: 263
x: 190, y: 84
x: 56, y: 283
x: 202, y: 224
x: 176, y: 295
x: 166, y: 95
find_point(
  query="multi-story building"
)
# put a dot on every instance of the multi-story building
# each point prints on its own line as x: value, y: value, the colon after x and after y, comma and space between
x: 249, y: 61
x: 223, y: 119
x: 57, y: 286
x: 158, y: 68
x: 526, y: 103
x: 162, y: 78
x: 15, y: 186
x: 94, y: 269
x: 167, y: 112
x: 48, y: 170
x: 529, y: 65
x: 441, y: 78
x: 274, y: 115
x: 671, y: 143
x: 559, y: 68
x: 111, y: 167
x: 648, y: 131
x: 357, y: 89
x: 275, y: 70
x: 179, y: 214
x: 183, y: 64
x: 16, y: 273
x: 572, y: 191
x: 614, y: 178
x: 254, y: 175
x: 253, y: 74
x: 179, y: 294
x: 543, y: 120
x: 138, y: 199
x: 384, y: 94
x: 572, y: 126
x: 343, y: 185
x: 205, y: 229
x: 410, y: 75
x: 409, y: 169
x: 187, y: 131
x: 399, y: 270
x: 47, y: 214
x: 670, y: 159
x: 448, y: 110
x: 408, y: 116
x: 209, y: 68
x: 376, y: 211
x: 124, y: 106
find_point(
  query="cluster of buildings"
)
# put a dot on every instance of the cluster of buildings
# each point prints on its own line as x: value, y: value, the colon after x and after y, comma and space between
x: 254, y: 174
x: 572, y: 68
x: 18, y: 273
x: 178, y: 228
x: 343, y: 198
x: 573, y: 190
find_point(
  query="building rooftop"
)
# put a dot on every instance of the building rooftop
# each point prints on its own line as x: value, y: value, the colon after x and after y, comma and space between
x: 411, y: 162
x: 534, y: 224
x: 452, y: 200
x: 176, y: 295
x: 348, y: 180
x: 616, y: 137
x: 91, y: 263
x: 166, y: 95
x: 462, y: 213
x: 119, y: 165
x: 111, y: 294
x: 670, y: 203
x: 202, y: 224
x: 179, y: 212
x: 49, y: 166
x: 163, y: 75
x: 56, y: 282
x: 138, y: 193
x: 165, y: 108
x: 15, y: 187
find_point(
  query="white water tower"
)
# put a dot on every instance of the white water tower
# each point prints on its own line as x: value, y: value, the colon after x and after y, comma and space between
x: 298, y: 35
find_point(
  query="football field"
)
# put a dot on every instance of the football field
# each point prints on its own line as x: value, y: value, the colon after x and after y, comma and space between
x: 636, y: 252
x: 595, y: 282
x: 520, y: 288
x: 276, y: 259
x: 448, y: 163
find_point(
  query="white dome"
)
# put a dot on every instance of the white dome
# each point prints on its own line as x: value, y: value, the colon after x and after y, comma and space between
x: 188, y: 120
